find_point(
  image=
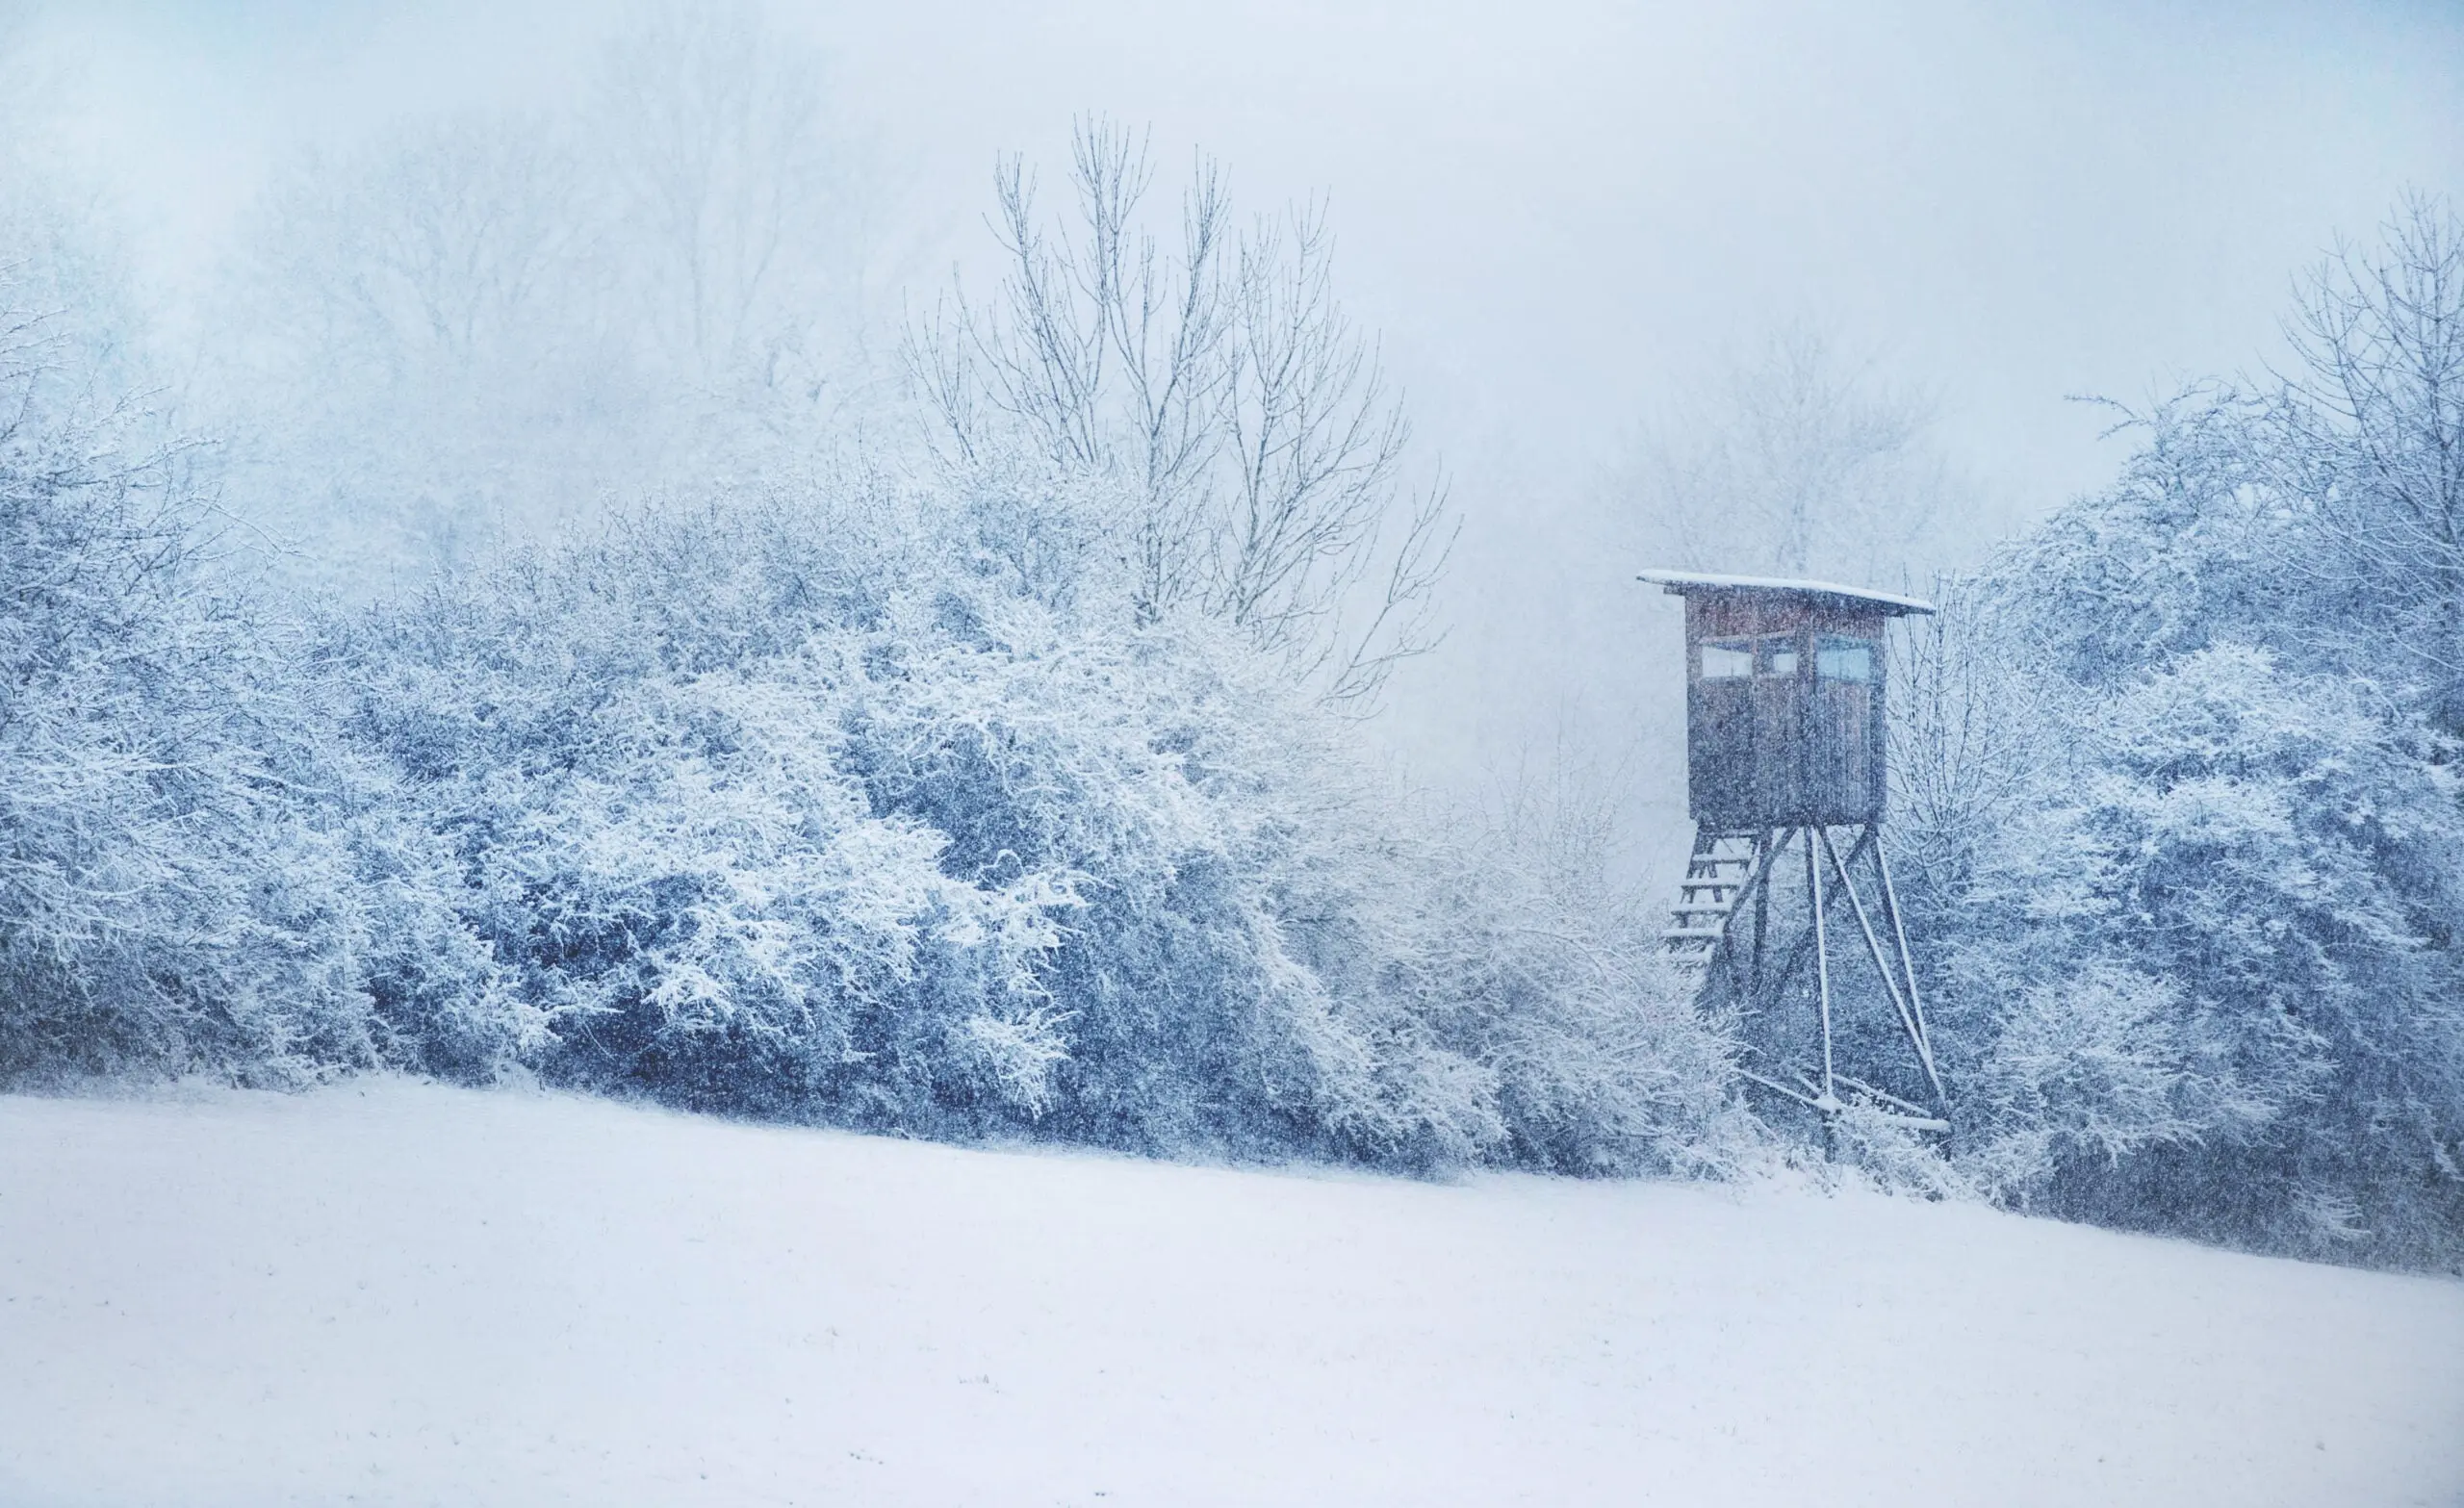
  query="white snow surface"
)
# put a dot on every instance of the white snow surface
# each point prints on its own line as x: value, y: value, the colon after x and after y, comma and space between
x: 390, y: 1292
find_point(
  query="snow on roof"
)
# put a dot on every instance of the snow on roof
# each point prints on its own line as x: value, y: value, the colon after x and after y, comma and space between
x: 1679, y: 582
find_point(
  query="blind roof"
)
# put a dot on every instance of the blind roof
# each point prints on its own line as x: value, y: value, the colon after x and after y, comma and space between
x: 1682, y: 583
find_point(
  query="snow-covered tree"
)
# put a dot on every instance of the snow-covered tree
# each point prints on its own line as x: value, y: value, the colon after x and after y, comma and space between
x: 2195, y: 885
x: 2208, y: 935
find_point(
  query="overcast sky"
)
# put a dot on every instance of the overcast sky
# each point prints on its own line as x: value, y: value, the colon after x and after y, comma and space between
x: 1559, y: 211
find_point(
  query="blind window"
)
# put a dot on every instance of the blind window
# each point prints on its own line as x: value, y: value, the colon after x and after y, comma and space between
x: 1840, y: 658
x: 1726, y: 659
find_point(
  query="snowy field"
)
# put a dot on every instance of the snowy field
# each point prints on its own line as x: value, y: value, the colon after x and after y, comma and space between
x: 395, y: 1293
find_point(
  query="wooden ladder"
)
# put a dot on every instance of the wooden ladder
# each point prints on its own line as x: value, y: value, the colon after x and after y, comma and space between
x: 1719, y: 873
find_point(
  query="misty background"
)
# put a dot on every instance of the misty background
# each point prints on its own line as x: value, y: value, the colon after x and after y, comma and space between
x: 1608, y: 252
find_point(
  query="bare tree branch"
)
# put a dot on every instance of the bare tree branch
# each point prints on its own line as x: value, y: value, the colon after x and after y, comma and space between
x: 2372, y: 423
x: 1222, y: 382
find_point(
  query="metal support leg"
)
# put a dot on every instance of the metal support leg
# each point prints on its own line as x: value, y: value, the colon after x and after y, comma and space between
x: 1821, y: 964
x: 1766, y: 848
x: 1755, y: 976
x: 1907, y: 966
x: 1881, y: 966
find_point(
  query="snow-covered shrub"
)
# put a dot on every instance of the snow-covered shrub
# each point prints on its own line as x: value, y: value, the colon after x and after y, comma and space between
x: 195, y: 875
x: 160, y: 903
x: 876, y: 802
x: 2256, y: 841
x: 1602, y: 1063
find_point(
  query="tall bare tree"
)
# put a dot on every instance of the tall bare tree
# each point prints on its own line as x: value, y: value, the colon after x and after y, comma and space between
x: 739, y: 202
x: 483, y: 324
x: 1219, y: 381
x: 1796, y: 461
x: 405, y: 346
x: 2375, y: 414
x: 437, y: 246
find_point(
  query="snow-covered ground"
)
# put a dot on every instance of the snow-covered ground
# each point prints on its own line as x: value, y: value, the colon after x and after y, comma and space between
x: 395, y: 1293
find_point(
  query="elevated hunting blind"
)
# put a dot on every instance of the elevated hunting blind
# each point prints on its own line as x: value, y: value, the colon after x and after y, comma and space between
x: 1783, y: 699
x: 1785, y: 733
